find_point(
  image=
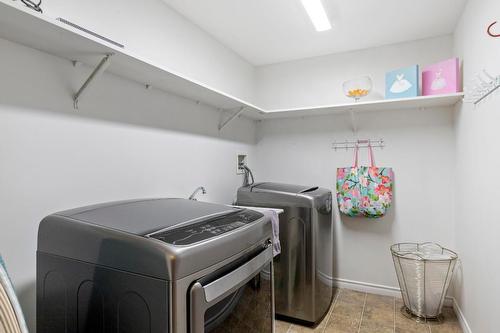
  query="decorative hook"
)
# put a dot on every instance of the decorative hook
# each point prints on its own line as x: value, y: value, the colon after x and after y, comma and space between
x: 489, y: 30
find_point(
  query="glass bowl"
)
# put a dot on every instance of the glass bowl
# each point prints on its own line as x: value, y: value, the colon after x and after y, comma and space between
x: 358, y: 88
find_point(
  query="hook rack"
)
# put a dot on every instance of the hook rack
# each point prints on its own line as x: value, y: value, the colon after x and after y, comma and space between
x: 374, y: 143
x: 483, y: 85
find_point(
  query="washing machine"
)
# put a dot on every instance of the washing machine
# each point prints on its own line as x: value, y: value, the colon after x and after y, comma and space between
x: 155, y: 265
x: 303, y: 271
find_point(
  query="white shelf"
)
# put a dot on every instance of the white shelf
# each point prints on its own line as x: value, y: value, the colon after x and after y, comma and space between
x: 380, y: 105
x: 35, y: 30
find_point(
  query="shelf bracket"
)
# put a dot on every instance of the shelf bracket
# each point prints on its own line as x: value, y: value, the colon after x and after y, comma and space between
x: 101, y: 67
x: 231, y: 118
x: 354, y: 121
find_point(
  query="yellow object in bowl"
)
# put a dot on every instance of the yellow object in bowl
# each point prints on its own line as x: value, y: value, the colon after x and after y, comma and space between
x: 357, y: 88
x: 358, y: 93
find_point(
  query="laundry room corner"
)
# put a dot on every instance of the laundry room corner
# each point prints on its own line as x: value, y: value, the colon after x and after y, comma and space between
x: 189, y: 166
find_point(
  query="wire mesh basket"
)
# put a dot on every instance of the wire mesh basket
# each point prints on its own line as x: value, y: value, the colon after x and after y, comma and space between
x: 424, y: 272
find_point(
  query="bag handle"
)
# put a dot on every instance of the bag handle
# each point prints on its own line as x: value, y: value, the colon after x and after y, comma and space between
x: 370, y: 152
x: 370, y: 155
x: 356, y: 151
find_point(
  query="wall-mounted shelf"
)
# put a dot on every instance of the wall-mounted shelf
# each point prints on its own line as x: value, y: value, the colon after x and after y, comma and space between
x: 420, y: 102
x: 27, y: 27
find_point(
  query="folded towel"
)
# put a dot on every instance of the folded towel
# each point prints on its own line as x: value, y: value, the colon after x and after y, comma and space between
x: 11, y: 315
x: 275, y: 220
x: 272, y: 214
x: 8, y: 319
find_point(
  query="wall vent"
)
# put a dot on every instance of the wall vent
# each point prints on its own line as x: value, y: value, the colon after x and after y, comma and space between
x: 76, y: 26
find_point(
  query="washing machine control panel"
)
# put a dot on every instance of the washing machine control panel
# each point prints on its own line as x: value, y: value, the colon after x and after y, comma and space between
x: 209, y: 228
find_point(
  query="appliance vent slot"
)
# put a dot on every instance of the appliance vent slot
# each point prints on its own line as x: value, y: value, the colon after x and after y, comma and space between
x: 76, y: 26
x: 309, y: 189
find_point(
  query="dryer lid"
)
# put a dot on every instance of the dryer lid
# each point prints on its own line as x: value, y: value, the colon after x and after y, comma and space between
x: 284, y: 188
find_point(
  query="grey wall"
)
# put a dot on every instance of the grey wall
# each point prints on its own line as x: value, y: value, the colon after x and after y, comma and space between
x: 124, y: 142
x: 477, y: 138
x: 419, y: 148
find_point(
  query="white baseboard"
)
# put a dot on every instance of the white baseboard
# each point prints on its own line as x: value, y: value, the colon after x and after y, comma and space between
x: 366, y: 287
x: 361, y: 286
x: 391, y: 291
x: 461, y: 318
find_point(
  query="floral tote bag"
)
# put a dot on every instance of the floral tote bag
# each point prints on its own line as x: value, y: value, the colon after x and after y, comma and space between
x: 364, y: 190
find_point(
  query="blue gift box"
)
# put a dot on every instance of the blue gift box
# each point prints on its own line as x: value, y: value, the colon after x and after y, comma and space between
x: 402, y: 83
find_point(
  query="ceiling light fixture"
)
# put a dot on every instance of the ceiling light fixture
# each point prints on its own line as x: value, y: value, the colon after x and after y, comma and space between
x: 317, y: 13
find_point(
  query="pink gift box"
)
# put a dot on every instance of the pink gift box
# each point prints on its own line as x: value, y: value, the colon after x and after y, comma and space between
x: 441, y: 78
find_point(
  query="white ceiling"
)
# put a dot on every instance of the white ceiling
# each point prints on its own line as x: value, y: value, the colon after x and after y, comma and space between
x: 271, y: 31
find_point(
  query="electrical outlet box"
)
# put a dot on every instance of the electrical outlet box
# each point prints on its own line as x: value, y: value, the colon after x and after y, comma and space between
x: 242, y: 160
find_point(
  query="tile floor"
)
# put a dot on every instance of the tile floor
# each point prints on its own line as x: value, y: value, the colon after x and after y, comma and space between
x: 357, y: 312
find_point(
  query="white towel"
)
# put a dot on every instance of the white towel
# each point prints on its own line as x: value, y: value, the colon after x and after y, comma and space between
x: 275, y: 220
x: 273, y: 215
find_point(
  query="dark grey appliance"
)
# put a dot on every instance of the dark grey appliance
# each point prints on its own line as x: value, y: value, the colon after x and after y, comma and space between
x: 156, y: 265
x: 303, y: 270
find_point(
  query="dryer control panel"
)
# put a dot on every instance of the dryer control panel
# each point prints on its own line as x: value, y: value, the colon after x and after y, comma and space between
x: 209, y: 228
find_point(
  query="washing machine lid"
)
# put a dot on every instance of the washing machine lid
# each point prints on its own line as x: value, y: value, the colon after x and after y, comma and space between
x: 121, y: 235
x: 284, y: 188
x: 141, y: 217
